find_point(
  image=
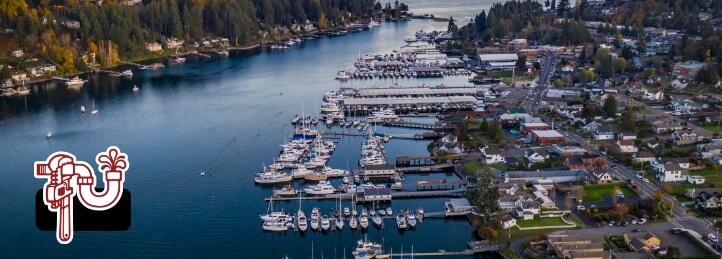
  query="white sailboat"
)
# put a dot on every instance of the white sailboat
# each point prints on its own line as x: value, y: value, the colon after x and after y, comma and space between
x: 325, y: 222
x: 94, y: 112
x: 301, y: 217
x: 339, y: 221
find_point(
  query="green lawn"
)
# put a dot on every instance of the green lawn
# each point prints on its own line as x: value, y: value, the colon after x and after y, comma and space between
x: 712, y: 128
x: 707, y: 171
x: 596, y: 192
x: 473, y: 166
x: 541, y: 222
x: 503, y: 74
x: 644, y: 111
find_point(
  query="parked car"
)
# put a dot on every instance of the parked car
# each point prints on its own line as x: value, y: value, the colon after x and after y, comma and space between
x: 611, y: 223
x: 634, y: 221
x: 712, y: 237
x: 642, y: 221
x: 593, y: 206
x: 645, y: 180
x: 677, y: 231
x: 705, y: 239
x: 637, y: 230
x: 580, y: 207
x: 624, y: 224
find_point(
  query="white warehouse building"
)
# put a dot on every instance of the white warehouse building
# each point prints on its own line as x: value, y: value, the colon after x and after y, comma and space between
x: 499, y: 61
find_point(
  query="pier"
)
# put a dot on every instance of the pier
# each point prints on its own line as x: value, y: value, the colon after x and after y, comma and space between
x: 407, y: 161
x: 397, y: 195
x: 490, y: 248
x: 418, y: 136
x: 153, y: 66
x: 418, y: 125
x: 422, y: 169
x: 441, y: 185
x: 112, y: 73
x: 345, y: 133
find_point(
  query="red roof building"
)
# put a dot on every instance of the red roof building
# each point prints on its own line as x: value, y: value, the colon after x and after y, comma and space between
x: 546, y: 137
x: 528, y: 127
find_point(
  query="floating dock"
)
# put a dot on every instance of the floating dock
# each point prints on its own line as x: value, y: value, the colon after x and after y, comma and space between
x: 397, y: 195
x: 417, y: 92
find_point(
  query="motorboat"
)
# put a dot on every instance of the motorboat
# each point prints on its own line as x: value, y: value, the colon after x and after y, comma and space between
x: 382, y: 212
x: 301, y: 172
x: 411, y: 219
x: 287, y: 190
x: 377, y: 221
x: 342, y: 75
x: 389, y: 211
x: 410, y: 40
x: 315, y: 214
x: 315, y: 176
x: 325, y: 223
x: 339, y: 223
x: 287, y: 158
x: 334, y: 172
x: 128, y: 72
x: 365, y: 246
x: 295, y: 119
x: 364, y: 221
x: 346, y: 211
x: 420, y: 211
x: 75, y: 81
x: 272, y: 176
x: 82, y: 108
x: 330, y: 107
x: 345, y: 179
x: 356, y: 178
x: 401, y: 221
x: 49, y: 135
x: 353, y: 223
x: 275, y: 225
x: 320, y: 189
x: 223, y: 53
x: 314, y: 224
x: 135, y: 88
x: 301, y: 221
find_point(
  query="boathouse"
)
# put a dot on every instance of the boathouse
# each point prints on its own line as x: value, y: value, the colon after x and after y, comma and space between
x: 460, y: 205
x: 377, y: 194
x: 377, y: 170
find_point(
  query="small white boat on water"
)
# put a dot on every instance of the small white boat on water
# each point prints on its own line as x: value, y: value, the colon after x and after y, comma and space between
x: 75, y: 81
x: 325, y: 223
x: 377, y: 221
x: 82, y: 108
x: 345, y: 179
x: 135, y: 88
x: 346, y: 211
x: 315, y: 214
x: 339, y: 223
x: 94, y: 111
x: 401, y: 221
x: 389, y: 211
x: 364, y: 221
x: 301, y: 221
x: 314, y: 224
x: 223, y: 53
x: 353, y: 223
x: 127, y: 72
x: 411, y: 219
x: 287, y: 190
x: 342, y: 75
x: 49, y: 135
x: 382, y: 212
x: 275, y: 225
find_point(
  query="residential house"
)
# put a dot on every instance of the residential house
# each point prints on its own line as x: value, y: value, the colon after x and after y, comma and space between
x: 708, y: 150
x: 172, y: 43
x: 17, y: 53
x: 47, y: 68
x: 586, y: 162
x: 627, y: 135
x: 683, y: 162
x: 528, y: 209
x: 604, y: 133
x: 71, y: 24
x: 568, y: 149
x: 19, y: 75
x: 716, y: 159
x: 682, y: 106
x: 695, y: 179
x: 672, y: 173
x: 687, y: 69
x: 526, y: 128
x: 507, y: 222
x: 492, y: 155
x: 705, y: 197
x: 643, y: 156
x: 652, y: 144
x: 534, y: 157
x: 638, y: 241
x: 687, y: 137
x: 625, y: 146
x: 544, y: 200
x: 600, y: 175
x: 653, y: 94
x: 511, y: 201
x: 153, y: 46
x: 666, y: 128
x: 589, y: 125
x: 678, y: 84
x: 566, y: 246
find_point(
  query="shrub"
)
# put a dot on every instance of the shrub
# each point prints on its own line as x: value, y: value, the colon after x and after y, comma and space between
x: 596, y: 210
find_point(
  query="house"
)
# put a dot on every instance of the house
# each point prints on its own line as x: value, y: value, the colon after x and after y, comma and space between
x: 716, y: 159
x: 695, y: 179
x: 600, y: 175
x: 604, y: 133
x: 19, y: 75
x: 687, y: 69
x: 492, y: 155
x: 627, y: 135
x: 382, y: 169
x: 708, y: 150
x: 377, y: 194
x: 683, y: 162
x: 17, y: 53
x: 47, y: 68
x: 566, y: 246
x: 682, y: 138
x: 459, y: 205
x: 153, y: 46
x: 507, y: 222
x: 638, y: 241
x: 511, y: 201
x: 567, y: 68
x: 652, y: 144
x: 653, y: 95
x: 534, y: 157
x: 678, y: 84
x: 528, y: 209
x: 71, y: 24
x: 671, y: 173
x: 625, y: 146
x: 665, y: 128
x: 708, y: 198
x: 587, y: 162
x: 528, y: 127
x: 172, y: 43
x: 544, y: 201
x: 589, y: 125
x: 546, y: 137
x: 557, y: 176
x: 643, y: 156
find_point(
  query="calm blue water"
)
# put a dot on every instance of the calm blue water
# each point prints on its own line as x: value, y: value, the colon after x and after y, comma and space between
x: 225, y: 115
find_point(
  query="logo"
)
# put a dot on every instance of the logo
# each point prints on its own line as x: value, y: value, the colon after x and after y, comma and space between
x: 68, y: 177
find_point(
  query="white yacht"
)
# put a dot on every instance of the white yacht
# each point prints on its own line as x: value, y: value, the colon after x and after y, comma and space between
x: 300, y: 172
x: 345, y: 179
x: 223, y: 53
x: 411, y: 219
x: 287, y: 158
x: 377, y: 221
x: 330, y: 107
x: 364, y: 221
x: 325, y: 223
x: 320, y: 189
x: 75, y: 81
x: 272, y: 176
x: 353, y: 223
x: 334, y: 172
x: 385, y: 114
x: 315, y: 176
x: 314, y: 224
x: 275, y: 225
x: 342, y: 75
x: 82, y: 108
x: 346, y: 211
x: 382, y: 212
x: 401, y: 221
x: 302, y: 221
x: 127, y: 72
x: 315, y: 214
x: 389, y: 211
x: 339, y: 223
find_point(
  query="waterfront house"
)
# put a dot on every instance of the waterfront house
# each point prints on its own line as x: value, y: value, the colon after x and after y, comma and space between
x: 379, y: 170
x: 460, y: 205
x: 19, y: 75
x: 510, y: 201
x: 508, y: 222
x: 638, y: 241
x: 172, y: 43
x: 47, y: 68
x: 527, y: 210
x: 153, y: 46
x: 492, y: 155
x: 625, y: 146
x: 604, y: 133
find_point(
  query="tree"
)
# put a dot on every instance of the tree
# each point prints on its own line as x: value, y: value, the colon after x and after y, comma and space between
x: 5, y: 73
x: 647, y: 73
x: 707, y: 75
x: 619, y: 64
x: 579, y: 193
x: 451, y: 24
x: 568, y: 201
x: 657, y: 196
x: 558, y: 83
x: 586, y: 76
x: 622, y: 209
x: 484, y: 125
x: 610, y: 106
x: 521, y: 63
x: 323, y: 22
x: 615, y: 195
x: 547, y: 4
x: 669, y: 205
x: 628, y: 122
x: 562, y: 7
x: 554, y: 4
x: 673, y: 252
x: 485, y: 194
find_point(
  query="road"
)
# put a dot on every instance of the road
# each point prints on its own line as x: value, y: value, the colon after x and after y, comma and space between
x: 679, y: 216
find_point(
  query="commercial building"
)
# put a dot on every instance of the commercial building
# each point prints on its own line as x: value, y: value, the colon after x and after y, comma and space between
x: 546, y: 137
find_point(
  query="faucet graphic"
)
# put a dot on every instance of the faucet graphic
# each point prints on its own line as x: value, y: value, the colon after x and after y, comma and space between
x: 68, y: 177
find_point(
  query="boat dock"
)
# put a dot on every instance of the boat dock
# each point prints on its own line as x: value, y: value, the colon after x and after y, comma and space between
x: 442, y: 252
x: 345, y: 133
x: 418, y: 136
x: 410, y: 104
x: 422, y: 169
x: 407, y: 161
x: 113, y: 73
x: 199, y: 54
x: 152, y: 66
x: 397, y: 195
x: 418, y: 125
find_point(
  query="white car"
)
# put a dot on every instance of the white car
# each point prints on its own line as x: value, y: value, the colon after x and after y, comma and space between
x: 641, y: 221
x: 712, y: 237
x: 580, y: 207
x: 645, y: 180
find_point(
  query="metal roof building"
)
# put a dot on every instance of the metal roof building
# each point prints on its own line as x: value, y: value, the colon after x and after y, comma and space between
x: 509, y: 57
x: 410, y: 101
x: 419, y: 91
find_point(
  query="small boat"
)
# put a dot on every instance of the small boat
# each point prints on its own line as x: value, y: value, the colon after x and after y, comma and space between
x: 409, y: 40
x: 301, y: 217
x: 275, y: 225
x: 325, y: 223
x: 49, y: 135
x: 346, y: 211
x: 420, y: 211
x: 314, y: 224
x: 287, y: 190
x: 353, y: 223
x: 411, y: 219
x: 94, y: 111
x: 339, y: 223
x: 345, y: 179
x: 377, y: 221
x: 76, y: 81
x: 315, y: 176
x: 127, y: 72
x: 135, y: 88
x: 364, y: 221
x: 223, y: 53
x: 396, y: 186
x: 401, y: 221
x: 203, y: 173
x: 315, y: 214
x: 342, y: 75
x: 382, y: 212
x: 356, y: 178
x: 389, y: 211
x: 82, y: 108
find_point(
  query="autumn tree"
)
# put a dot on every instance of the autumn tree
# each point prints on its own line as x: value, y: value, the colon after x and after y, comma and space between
x: 323, y: 22
x: 619, y: 64
x: 622, y: 209
x: 669, y: 205
x: 615, y: 195
x: 657, y: 196
x: 586, y: 76
x: 578, y: 192
x: 647, y: 73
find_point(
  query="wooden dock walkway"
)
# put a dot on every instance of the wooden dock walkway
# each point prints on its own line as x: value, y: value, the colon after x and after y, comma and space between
x: 418, y: 125
x: 344, y: 133
x: 418, y: 136
x: 421, y: 169
x: 115, y: 73
x: 397, y: 195
x: 442, y: 252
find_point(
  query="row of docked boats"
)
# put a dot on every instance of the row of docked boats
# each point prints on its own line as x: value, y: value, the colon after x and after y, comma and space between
x: 372, y: 151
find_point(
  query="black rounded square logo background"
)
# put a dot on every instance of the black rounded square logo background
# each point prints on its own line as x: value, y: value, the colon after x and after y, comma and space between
x: 116, y: 218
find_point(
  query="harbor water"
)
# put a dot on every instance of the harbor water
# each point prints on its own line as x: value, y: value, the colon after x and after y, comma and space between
x: 226, y: 116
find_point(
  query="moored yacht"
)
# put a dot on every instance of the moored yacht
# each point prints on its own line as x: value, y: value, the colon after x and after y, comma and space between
x: 339, y: 223
x: 302, y: 221
x: 401, y: 221
x: 330, y: 107
x: 342, y: 75
x: 325, y: 223
x: 315, y: 176
x: 321, y: 188
x: 411, y: 219
x: 364, y: 221
x: 127, y: 72
x: 75, y: 81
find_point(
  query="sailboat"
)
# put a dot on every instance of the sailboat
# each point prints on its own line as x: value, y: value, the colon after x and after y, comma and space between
x: 353, y: 223
x: 339, y: 221
x: 82, y: 108
x: 94, y: 110
x: 301, y: 217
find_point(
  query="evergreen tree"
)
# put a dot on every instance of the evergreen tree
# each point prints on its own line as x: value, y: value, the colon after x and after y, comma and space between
x: 452, y: 24
x: 521, y: 63
x: 484, y: 125
x: 547, y: 4
x: 562, y: 7
x: 5, y: 74
x: 485, y: 194
x: 554, y: 4
x: 610, y: 106
x: 707, y: 75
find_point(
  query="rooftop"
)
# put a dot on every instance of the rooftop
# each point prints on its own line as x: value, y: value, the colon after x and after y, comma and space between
x: 547, y: 133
